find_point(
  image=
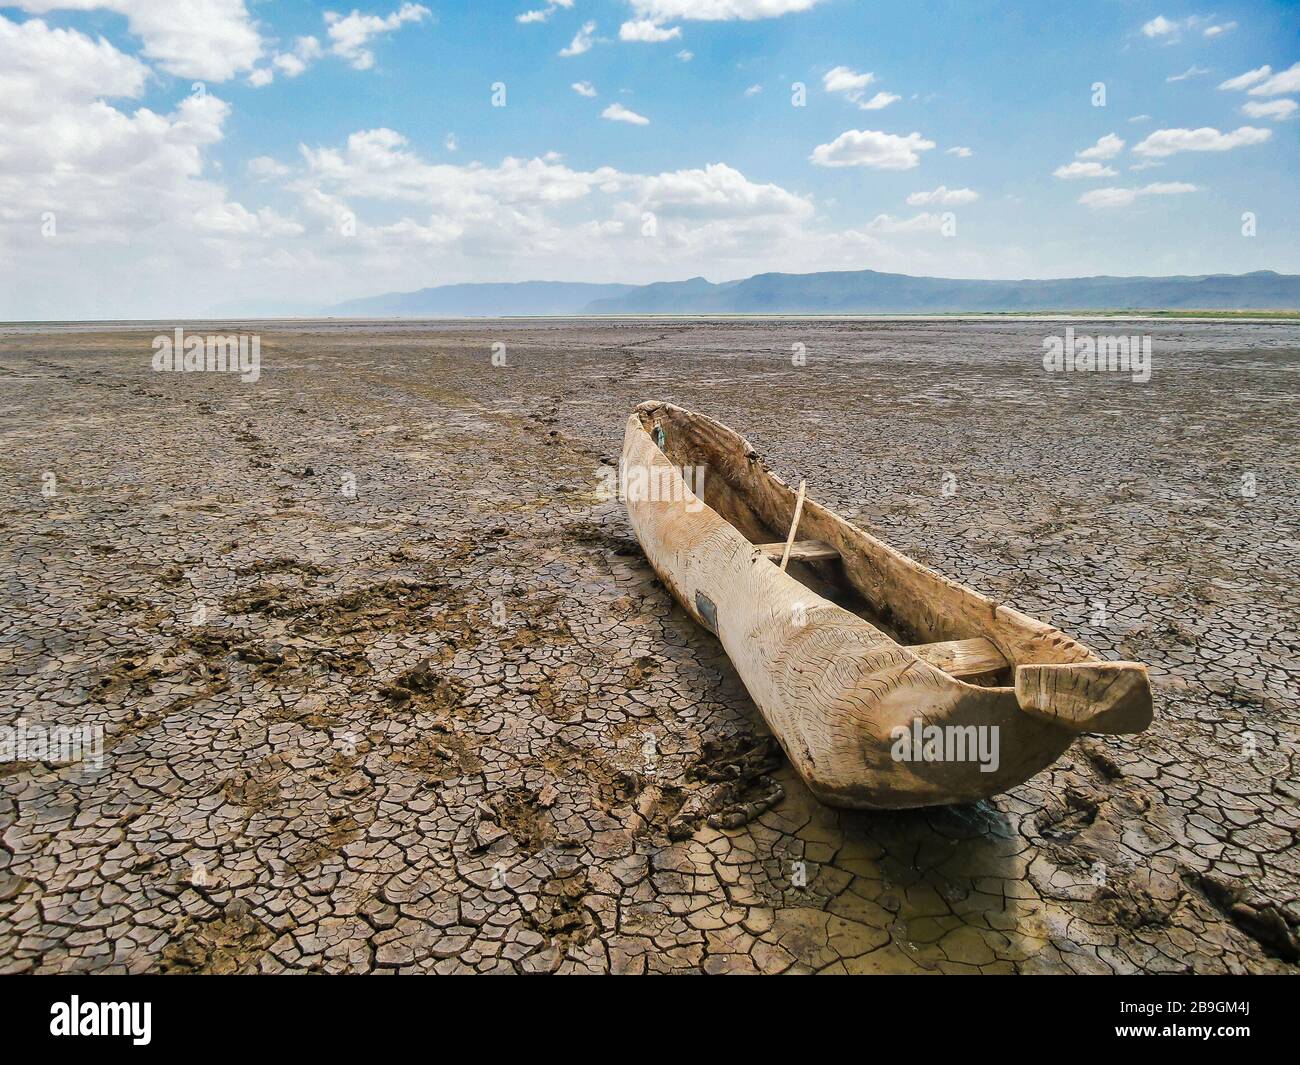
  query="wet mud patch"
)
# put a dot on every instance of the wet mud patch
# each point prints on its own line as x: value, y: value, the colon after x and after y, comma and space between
x: 341, y: 827
x: 1262, y: 919
x: 425, y: 689
x: 732, y: 785
x: 1064, y: 817
x: 258, y: 788
x: 560, y: 914
x: 439, y: 756
x: 519, y: 812
x: 232, y: 944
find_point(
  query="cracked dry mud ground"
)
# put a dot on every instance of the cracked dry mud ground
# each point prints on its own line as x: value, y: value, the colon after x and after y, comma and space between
x: 451, y: 722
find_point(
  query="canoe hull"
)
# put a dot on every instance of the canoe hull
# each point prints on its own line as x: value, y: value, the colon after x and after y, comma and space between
x: 846, y: 702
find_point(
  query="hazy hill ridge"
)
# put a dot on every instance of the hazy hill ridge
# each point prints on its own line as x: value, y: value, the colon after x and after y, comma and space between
x: 841, y: 292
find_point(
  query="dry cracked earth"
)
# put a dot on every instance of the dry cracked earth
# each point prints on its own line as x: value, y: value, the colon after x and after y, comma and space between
x: 385, y: 683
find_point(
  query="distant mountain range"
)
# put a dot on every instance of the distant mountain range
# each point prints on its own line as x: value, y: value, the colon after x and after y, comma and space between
x: 842, y: 292
x: 482, y: 301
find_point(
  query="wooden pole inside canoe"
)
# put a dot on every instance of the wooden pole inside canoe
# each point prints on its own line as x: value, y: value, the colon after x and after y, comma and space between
x: 794, y: 525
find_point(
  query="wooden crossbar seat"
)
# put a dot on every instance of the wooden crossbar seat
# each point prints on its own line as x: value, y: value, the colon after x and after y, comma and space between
x: 801, y: 551
x: 962, y: 658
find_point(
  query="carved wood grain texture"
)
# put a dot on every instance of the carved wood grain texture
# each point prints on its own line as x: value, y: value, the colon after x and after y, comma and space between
x: 831, y: 686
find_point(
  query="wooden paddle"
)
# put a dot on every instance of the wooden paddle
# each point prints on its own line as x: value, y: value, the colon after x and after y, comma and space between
x: 794, y: 525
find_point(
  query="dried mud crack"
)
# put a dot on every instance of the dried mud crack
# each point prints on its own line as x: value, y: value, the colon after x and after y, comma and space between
x: 385, y: 683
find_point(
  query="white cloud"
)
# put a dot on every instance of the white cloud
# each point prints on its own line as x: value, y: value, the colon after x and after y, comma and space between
x: 619, y: 113
x: 1160, y: 27
x: 543, y: 13
x: 1083, y: 170
x: 871, y: 148
x: 717, y: 191
x: 1140, y: 118
x: 960, y: 152
x: 1171, y: 30
x: 1117, y: 197
x: 1190, y: 72
x: 753, y: 90
x: 582, y: 41
x: 943, y: 197
x: 584, y: 88
x: 852, y: 85
x: 648, y: 32
x: 110, y: 178
x: 1244, y: 81
x: 1284, y: 81
x: 519, y: 209
x: 451, y: 143
x: 264, y: 167
x: 925, y: 222
x: 41, y: 67
x: 1107, y: 147
x: 718, y: 10
x: 843, y: 79
x: 209, y: 39
x: 349, y: 34
x: 1278, y: 110
x: 1165, y: 142
x: 291, y: 63
x: 685, y: 56
x: 881, y: 99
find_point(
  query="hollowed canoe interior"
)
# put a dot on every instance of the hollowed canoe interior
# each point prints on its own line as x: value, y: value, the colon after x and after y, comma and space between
x: 736, y: 486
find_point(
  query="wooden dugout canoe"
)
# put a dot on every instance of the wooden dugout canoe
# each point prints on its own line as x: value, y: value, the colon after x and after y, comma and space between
x: 857, y: 645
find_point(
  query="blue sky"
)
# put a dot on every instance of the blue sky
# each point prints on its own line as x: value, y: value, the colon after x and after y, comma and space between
x: 328, y: 152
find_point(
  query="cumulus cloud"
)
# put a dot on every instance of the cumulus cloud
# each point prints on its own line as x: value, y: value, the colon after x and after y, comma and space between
x: 1160, y: 27
x: 1164, y: 142
x: 852, y: 85
x: 1107, y: 147
x: 265, y: 168
x: 647, y: 32
x: 718, y: 10
x: 582, y: 41
x: 844, y: 79
x: 583, y: 88
x: 107, y: 176
x: 41, y: 66
x: 209, y: 39
x: 541, y: 14
x: 1278, y: 110
x: 350, y: 34
x: 1083, y: 170
x: 871, y: 148
x: 1118, y: 197
x: 717, y: 191
x: 1190, y: 72
x: 960, y: 152
x: 943, y: 197
x: 1170, y: 30
x: 1285, y: 81
x: 1244, y: 81
x: 521, y: 209
x: 619, y: 113
x: 291, y: 63
x: 879, y: 100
